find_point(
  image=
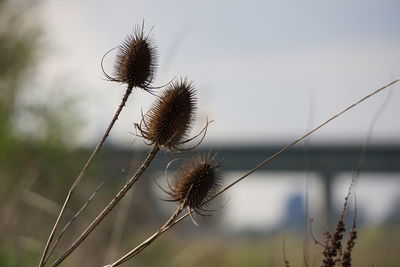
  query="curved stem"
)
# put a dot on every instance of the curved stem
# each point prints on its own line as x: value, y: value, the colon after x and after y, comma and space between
x: 83, y: 173
x: 150, y: 156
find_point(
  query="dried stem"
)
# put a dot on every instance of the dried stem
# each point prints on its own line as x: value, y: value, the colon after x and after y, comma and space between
x: 333, y: 251
x: 346, y: 258
x: 333, y: 245
x: 83, y: 173
x: 70, y: 222
x: 150, y: 156
x: 148, y: 241
x: 316, y: 241
x: 119, y: 224
x: 303, y: 137
x: 284, y: 149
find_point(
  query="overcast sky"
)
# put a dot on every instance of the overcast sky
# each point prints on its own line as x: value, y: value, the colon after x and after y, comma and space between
x: 265, y: 70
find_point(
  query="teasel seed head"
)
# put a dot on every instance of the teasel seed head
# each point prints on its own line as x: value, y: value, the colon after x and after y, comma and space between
x: 136, y: 60
x: 196, y: 181
x: 169, y: 119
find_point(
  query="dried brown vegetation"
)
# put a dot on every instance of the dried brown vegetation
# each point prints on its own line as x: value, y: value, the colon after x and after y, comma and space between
x: 196, y: 181
x: 169, y: 119
x: 333, y: 249
x: 136, y: 61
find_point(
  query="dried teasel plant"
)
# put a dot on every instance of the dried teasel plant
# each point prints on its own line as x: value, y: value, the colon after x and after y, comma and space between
x: 135, y: 66
x: 195, y: 181
x: 170, y: 119
x: 136, y: 60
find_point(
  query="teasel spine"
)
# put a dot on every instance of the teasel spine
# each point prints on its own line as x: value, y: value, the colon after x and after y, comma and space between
x: 196, y: 181
x: 170, y: 117
x: 136, y: 61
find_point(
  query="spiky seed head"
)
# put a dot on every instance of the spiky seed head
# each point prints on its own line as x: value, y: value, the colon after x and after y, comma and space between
x: 170, y: 118
x: 195, y: 181
x: 136, y: 60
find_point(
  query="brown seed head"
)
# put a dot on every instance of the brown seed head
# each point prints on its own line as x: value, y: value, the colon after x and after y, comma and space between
x: 169, y: 119
x: 195, y: 181
x: 136, y: 60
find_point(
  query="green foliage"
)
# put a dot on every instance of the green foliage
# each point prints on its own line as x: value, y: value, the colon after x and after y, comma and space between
x: 29, y: 165
x: 18, y: 45
x: 10, y: 257
x: 20, y: 153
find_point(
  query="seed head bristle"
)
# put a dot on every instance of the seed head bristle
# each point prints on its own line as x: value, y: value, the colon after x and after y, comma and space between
x: 136, y: 60
x: 195, y: 181
x: 169, y: 119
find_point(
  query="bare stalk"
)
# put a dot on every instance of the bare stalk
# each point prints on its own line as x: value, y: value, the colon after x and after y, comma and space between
x: 83, y: 173
x: 149, y: 240
x: 119, y: 224
x: 172, y: 221
x: 150, y: 156
x: 70, y: 222
x: 303, y: 137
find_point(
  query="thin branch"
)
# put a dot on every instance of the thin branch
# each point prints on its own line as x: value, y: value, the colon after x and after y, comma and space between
x: 351, y: 242
x: 368, y: 137
x: 117, y: 232
x: 308, y: 181
x: 70, y: 222
x: 162, y: 229
x: 150, y: 156
x: 83, y: 173
x: 269, y: 159
x: 316, y: 241
x: 301, y: 138
x: 174, y: 222
x: 363, y: 156
x: 333, y: 250
x: 149, y: 240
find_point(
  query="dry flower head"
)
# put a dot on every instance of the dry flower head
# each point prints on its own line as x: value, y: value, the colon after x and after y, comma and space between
x: 196, y: 181
x: 136, y: 60
x: 170, y: 117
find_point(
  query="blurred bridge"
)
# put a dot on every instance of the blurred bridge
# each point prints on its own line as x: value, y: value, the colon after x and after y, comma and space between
x: 327, y: 161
